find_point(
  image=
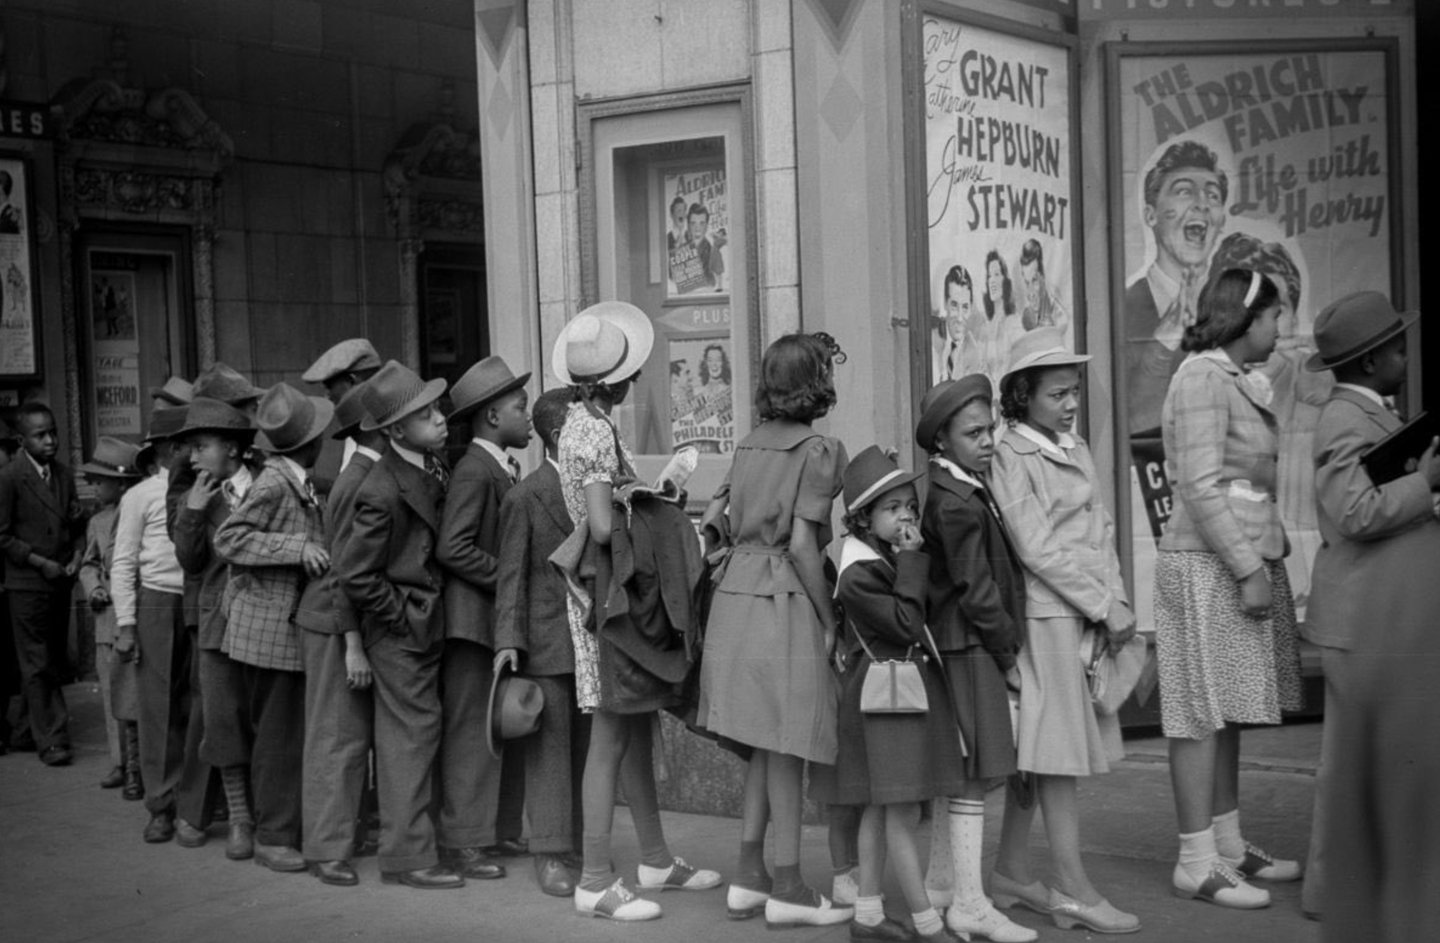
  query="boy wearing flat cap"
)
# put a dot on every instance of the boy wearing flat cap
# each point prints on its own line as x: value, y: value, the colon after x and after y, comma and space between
x: 493, y: 402
x: 387, y: 568
x: 340, y: 369
x: 1374, y: 611
x: 274, y: 542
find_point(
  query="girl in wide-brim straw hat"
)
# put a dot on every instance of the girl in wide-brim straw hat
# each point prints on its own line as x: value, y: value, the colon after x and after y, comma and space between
x: 600, y: 353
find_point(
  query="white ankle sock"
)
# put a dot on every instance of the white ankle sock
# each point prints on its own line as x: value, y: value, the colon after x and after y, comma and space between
x: 869, y: 911
x: 1197, y: 853
x: 1227, y: 835
x: 928, y: 921
x: 940, y: 876
x: 967, y: 833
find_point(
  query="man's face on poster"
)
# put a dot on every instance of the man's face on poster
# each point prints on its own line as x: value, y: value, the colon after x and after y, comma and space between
x: 958, y: 302
x: 1030, y: 275
x: 1187, y: 217
x: 677, y: 216
x: 699, y: 223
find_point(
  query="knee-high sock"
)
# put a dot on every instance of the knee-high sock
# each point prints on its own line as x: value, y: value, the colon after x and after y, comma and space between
x: 967, y: 831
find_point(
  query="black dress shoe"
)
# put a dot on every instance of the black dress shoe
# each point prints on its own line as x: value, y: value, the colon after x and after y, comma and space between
x: 429, y: 879
x: 886, y: 929
x: 55, y: 755
x: 472, y: 863
x: 508, y: 848
x: 113, y: 779
x: 338, y: 873
x: 555, y: 877
x: 161, y: 827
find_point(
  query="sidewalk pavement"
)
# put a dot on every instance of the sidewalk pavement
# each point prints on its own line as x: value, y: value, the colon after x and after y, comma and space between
x: 73, y: 867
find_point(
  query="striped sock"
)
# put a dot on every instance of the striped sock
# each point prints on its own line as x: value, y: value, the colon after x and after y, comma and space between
x: 235, y: 779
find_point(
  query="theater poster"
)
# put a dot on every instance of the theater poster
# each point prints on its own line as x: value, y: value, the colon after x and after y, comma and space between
x: 1278, y: 158
x: 702, y: 399
x: 697, y: 229
x: 19, y: 334
x: 1000, y: 191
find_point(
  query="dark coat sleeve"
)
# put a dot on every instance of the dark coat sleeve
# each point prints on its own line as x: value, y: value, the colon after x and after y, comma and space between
x: 960, y: 531
x: 191, y: 537
x: 471, y: 502
x: 885, y: 610
x: 363, y: 560
x: 512, y: 617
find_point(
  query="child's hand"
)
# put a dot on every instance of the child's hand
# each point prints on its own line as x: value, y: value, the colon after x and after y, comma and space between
x: 200, y: 494
x: 50, y: 569
x: 315, y: 559
x: 125, y: 646
x: 908, y: 538
x: 357, y: 668
x: 1255, y: 593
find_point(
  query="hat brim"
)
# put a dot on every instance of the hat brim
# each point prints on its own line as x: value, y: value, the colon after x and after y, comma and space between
x: 1315, y: 363
x: 948, y: 404
x: 491, y: 720
x: 233, y: 431
x: 433, y: 390
x: 100, y: 471
x: 639, y: 340
x: 490, y: 397
x: 324, y: 415
x: 890, y: 482
x: 1053, y: 358
x: 345, y: 432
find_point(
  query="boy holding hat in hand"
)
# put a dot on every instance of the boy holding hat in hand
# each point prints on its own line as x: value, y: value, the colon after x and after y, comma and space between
x: 493, y: 402
x: 387, y: 568
x: 1374, y: 610
x: 274, y: 541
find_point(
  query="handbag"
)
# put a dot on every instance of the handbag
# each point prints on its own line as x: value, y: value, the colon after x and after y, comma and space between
x: 1112, y: 678
x: 893, y: 685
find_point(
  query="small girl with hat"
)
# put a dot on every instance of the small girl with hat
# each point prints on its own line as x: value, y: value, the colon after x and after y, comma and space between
x: 976, y: 603
x: 890, y: 762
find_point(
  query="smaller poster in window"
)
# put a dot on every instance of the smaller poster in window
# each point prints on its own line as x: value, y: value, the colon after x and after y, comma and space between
x: 18, y: 336
x: 702, y: 401
x: 117, y: 353
x: 696, y: 226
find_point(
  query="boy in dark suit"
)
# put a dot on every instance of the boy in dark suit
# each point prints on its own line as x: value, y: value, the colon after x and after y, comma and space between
x: 532, y: 632
x: 274, y: 541
x: 42, y: 530
x: 493, y: 402
x: 387, y: 570
x: 338, y: 702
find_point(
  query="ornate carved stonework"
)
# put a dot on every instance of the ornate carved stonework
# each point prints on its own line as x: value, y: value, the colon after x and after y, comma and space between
x: 134, y: 191
x: 457, y: 216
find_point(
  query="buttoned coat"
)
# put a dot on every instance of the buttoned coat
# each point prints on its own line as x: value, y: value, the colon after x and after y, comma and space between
x: 37, y: 517
x: 470, y: 545
x: 530, y: 602
x: 324, y: 607
x: 1061, y: 529
x: 262, y: 540
x: 95, y: 568
x: 387, y: 565
x: 192, y: 530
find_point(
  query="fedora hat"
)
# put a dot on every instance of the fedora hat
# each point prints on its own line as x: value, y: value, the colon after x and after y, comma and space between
x: 226, y: 384
x: 165, y: 422
x: 176, y: 391
x: 1041, y: 347
x: 1353, y: 326
x: 349, y: 356
x: 394, y: 393
x: 944, y: 400
x: 871, y: 474
x: 606, y: 342
x: 288, y: 419
x: 484, y: 382
x: 514, y: 709
x: 350, y: 411
x: 113, y: 458
x: 214, y: 415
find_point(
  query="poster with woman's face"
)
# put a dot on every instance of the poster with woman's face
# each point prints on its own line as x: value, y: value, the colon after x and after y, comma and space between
x: 702, y: 401
x: 696, y: 228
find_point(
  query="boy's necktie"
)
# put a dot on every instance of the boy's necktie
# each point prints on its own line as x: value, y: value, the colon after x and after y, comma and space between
x: 434, y: 466
x: 513, y: 467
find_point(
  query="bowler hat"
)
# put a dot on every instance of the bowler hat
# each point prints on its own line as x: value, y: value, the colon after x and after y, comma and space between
x: 176, y: 391
x: 394, y: 393
x: 288, y: 419
x: 348, y: 356
x: 165, y: 422
x: 213, y: 415
x: 514, y: 709
x: 605, y: 343
x: 113, y: 458
x: 871, y: 474
x: 1353, y: 326
x: 484, y: 382
x: 1041, y: 347
x: 944, y: 400
x: 350, y: 412
x: 226, y: 384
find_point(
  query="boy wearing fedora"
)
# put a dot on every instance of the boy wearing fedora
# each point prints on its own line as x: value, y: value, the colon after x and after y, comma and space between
x: 532, y: 632
x: 146, y: 587
x: 274, y: 542
x: 338, y: 699
x: 387, y: 568
x: 493, y: 402
x: 218, y: 436
x: 1374, y: 607
x: 110, y: 471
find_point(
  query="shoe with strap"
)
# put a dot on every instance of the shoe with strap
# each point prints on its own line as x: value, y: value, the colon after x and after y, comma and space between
x: 616, y: 902
x: 678, y: 877
x: 1222, y: 885
x: 1259, y: 865
x: 983, y: 920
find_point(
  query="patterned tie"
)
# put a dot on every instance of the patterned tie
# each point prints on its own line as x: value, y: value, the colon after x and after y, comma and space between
x: 311, y: 497
x: 950, y: 361
x: 513, y: 467
x: 434, y: 466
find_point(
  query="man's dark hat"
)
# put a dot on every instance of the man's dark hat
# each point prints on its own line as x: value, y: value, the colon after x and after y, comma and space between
x: 288, y: 419
x: 946, y: 399
x: 177, y: 391
x: 396, y: 392
x: 212, y: 415
x: 350, y: 411
x: 165, y: 422
x: 226, y: 384
x: 113, y: 458
x: 1354, y: 326
x: 871, y: 474
x: 514, y: 709
x: 484, y: 382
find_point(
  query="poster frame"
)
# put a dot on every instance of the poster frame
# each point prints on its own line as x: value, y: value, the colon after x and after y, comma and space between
x: 1115, y: 54
x: 23, y: 163
x: 913, y: 14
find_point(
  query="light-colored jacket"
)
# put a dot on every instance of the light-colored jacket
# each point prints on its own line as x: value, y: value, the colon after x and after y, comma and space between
x: 95, y: 568
x: 1061, y: 529
x: 1222, y: 443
